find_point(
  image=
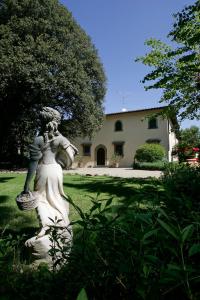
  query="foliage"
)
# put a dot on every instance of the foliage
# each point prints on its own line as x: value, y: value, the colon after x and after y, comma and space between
x: 176, y: 68
x: 45, y: 59
x: 10, y: 247
x: 190, y: 136
x: 139, y: 247
x: 182, y: 184
x: 158, y: 165
x: 158, y: 261
x: 150, y: 153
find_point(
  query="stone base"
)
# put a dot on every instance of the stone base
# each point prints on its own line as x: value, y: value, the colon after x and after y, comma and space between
x: 40, y: 247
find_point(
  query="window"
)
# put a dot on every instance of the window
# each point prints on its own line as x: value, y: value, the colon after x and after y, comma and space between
x: 119, y: 148
x: 118, y: 126
x: 86, y: 149
x: 153, y: 141
x: 152, y: 124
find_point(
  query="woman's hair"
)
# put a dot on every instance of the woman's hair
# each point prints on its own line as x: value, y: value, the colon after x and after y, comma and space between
x: 51, y: 118
x: 49, y: 114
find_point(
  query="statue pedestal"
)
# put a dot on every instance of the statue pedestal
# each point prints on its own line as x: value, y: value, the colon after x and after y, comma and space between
x: 50, y: 248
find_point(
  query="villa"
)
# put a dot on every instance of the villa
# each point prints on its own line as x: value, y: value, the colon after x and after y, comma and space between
x: 122, y: 133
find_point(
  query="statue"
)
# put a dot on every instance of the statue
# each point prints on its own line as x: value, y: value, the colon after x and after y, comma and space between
x: 49, y: 151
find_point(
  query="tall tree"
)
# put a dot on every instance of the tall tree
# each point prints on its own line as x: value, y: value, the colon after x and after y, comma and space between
x: 46, y: 59
x: 176, y: 68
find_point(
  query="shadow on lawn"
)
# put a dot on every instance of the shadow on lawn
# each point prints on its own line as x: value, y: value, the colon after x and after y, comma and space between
x: 5, y: 179
x: 128, y: 190
x: 8, y: 216
x: 3, y: 199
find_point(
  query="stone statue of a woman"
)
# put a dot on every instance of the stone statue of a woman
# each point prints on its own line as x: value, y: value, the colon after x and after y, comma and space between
x: 49, y: 151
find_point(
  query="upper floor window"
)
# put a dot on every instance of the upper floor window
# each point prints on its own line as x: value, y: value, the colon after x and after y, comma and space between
x: 152, y: 123
x: 118, y: 126
x: 86, y: 149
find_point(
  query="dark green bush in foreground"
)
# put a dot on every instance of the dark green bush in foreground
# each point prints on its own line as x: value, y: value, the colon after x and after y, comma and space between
x: 182, y: 189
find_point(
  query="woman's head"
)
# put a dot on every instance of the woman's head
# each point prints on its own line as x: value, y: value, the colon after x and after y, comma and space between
x: 49, y: 114
x: 50, y: 119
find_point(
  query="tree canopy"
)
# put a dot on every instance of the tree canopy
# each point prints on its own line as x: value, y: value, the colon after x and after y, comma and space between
x: 46, y: 59
x: 176, y: 67
x: 190, y: 137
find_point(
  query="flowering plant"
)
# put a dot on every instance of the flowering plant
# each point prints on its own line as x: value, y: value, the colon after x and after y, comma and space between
x: 195, y: 149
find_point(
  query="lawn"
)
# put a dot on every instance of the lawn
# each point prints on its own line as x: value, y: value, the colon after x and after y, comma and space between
x: 82, y: 190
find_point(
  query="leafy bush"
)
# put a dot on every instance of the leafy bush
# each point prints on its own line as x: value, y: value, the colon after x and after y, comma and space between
x: 158, y: 165
x: 182, y: 186
x: 125, y: 251
x: 150, y: 153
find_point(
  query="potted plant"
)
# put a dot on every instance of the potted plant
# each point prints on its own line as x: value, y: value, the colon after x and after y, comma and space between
x: 79, y: 160
x: 115, y: 160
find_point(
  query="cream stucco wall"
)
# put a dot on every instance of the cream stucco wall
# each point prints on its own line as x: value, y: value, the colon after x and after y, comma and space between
x: 172, y: 141
x: 135, y: 133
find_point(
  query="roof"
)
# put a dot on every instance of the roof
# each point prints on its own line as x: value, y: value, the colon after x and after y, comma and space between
x: 138, y: 110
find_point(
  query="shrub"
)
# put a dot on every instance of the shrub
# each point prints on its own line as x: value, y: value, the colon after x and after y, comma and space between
x: 138, y: 254
x: 182, y: 185
x: 150, y: 153
x: 158, y: 165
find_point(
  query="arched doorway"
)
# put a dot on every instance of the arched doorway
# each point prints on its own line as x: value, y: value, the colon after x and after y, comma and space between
x: 101, y: 156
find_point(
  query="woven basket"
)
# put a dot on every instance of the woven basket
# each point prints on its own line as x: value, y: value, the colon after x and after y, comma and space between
x: 27, y: 201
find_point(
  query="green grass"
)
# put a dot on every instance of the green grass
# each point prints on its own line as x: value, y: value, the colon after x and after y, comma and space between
x: 82, y: 189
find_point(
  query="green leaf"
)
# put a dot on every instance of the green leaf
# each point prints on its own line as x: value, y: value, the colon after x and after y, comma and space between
x: 101, y: 218
x: 163, y: 213
x: 194, y: 249
x: 95, y: 206
x: 108, y: 202
x: 82, y: 295
x: 145, y: 218
x: 150, y: 233
x: 174, y: 267
x: 171, y: 230
x: 187, y: 232
x: 152, y: 258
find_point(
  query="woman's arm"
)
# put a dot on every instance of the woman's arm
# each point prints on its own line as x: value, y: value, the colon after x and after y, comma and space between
x: 35, y: 155
x: 31, y: 171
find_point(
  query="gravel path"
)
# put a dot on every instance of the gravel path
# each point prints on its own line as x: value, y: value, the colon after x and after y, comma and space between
x: 115, y: 172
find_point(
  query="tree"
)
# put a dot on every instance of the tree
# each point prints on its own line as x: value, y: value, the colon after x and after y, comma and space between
x: 176, y: 68
x: 190, y: 137
x: 46, y: 59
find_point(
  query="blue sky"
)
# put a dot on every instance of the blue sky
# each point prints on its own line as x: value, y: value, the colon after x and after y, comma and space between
x: 118, y: 29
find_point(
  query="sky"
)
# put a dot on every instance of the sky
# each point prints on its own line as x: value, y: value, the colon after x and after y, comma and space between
x: 118, y: 29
